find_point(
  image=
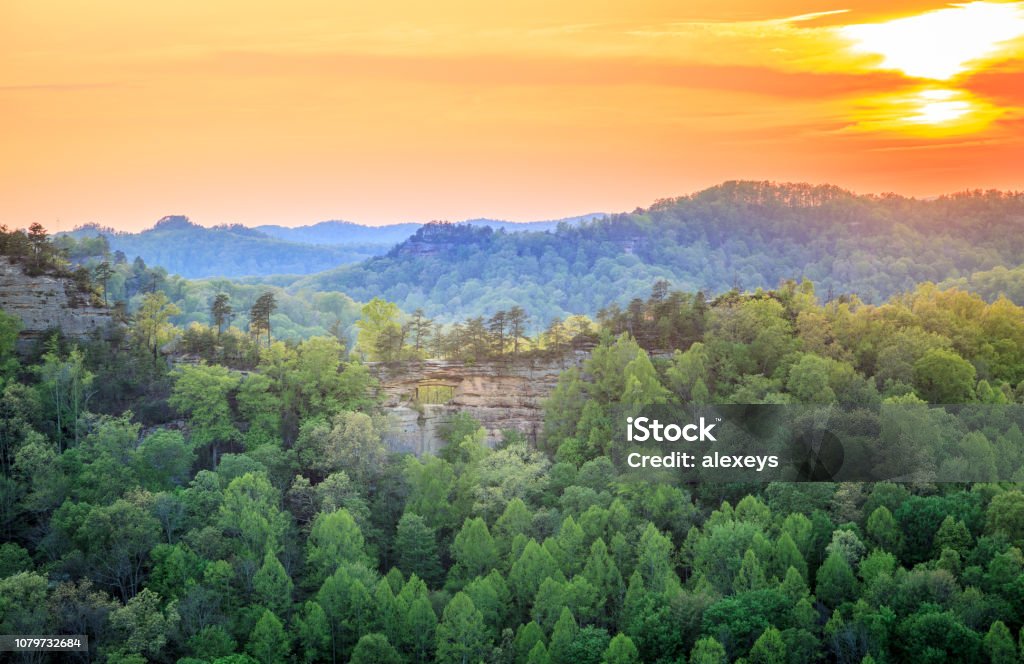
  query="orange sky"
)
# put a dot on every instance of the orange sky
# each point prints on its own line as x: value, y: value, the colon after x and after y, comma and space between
x: 120, y: 111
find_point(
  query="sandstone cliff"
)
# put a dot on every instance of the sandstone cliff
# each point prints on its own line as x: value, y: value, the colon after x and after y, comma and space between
x: 46, y: 302
x: 421, y: 397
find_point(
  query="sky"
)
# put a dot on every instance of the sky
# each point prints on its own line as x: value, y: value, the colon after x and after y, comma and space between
x: 119, y: 112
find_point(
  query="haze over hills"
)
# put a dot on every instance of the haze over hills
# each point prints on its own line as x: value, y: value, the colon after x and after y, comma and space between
x: 347, y: 232
x: 746, y: 234
x: 193, y: 251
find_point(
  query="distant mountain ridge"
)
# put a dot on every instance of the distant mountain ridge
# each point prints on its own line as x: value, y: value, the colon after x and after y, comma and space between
x: 735, y: 235
x: 187, y: 249
x: 343, y: 232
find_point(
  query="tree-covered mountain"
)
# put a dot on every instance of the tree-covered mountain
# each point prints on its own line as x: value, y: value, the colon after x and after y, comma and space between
x: 193, y: 251
x: 247, y: 509
x: 749, y: 234
x: 346, y: 232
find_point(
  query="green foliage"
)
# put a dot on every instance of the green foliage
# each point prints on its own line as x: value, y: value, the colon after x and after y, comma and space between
x: 269, y: 643
x: 835, y: 581
x: 942, y: 376
x: 416, y: 546
x: 375, y: 649
x: 275, y: 521
x: 461, y: 634
x: 621, y: 651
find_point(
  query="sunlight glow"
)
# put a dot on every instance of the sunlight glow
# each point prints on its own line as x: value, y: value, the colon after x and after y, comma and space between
x: 940, y: 44
x: 927, y: 112
x: 939, y: 106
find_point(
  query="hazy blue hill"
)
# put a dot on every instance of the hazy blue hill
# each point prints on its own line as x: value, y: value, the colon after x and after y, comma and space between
x: 342, y: 233
x: 193, y: 251
x: 347, y: 232
x: 747, y: 234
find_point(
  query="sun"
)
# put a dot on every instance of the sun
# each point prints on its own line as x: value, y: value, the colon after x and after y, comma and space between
x: 940, y: 44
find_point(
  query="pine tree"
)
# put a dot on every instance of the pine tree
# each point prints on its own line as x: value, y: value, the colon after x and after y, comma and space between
x: 999, y: 644
x: 604, y: 575
x: 461, y: 634
x: 621, y: 651
x: 220, y: 311
x: 562, y: 637
x: 750, y: 575
x: 416, y: 549
x: 421, y: 629
x: 835, y: 582
x: 708, y: 651
x: 259, y: 315
x: 375, y: 649
x: 517, y: 320
x: 268, y: 642
x: 769, y: 648
x: 527, y: 637
x: 273, y: 586
x: 313, y: 632
x: 474, y: 552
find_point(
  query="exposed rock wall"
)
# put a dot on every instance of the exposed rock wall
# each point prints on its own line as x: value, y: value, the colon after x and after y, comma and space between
x: 45, y: 302
x: 501, y: 395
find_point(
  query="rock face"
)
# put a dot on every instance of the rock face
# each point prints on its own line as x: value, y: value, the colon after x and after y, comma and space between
x: 45, y: 302
x: 420, y: 397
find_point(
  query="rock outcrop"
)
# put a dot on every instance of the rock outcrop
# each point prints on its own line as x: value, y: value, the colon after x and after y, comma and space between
x: 420, y: 397
x: 45, y: 302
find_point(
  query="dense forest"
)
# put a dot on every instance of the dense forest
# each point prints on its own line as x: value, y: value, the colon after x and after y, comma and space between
x: 244, y: 508
x: 739, y: 234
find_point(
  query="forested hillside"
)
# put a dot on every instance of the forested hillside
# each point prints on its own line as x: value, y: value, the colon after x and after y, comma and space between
x: 346, y: 232
x: 196, y: 513
x: 744, y: 234
x: 192, y: 251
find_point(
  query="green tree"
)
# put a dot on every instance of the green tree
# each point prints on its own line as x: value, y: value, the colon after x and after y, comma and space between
x: 164, y: 460
x: 999, y: 644
x: 143, y: 625
x: 221, y: 311
x: 313, y: 632
x: 380, y: 322
x: 375, y: 649
x: 835, y: 581
x: 212, y: 642
x: 335, y: 538
x: 259, y: 316
x: 348, y: 606
x: 708, y: 651
x: 942, y: 376
x: 273, y: 587
x: 621, y: 651
x: 461, y: 634
x: 884, y: 531
x: 474, y: 552
x: 769, y: 648
x: 421, y: 627
x: 64, y: 387
x: 562, y: 637
x: 269, y: 643
x: 416, y: 549
x: 10, y: 326
x: 202, y: 392
x: 250, y: 514
x: 152, y: 327
x: 1005, y: 515
x: 23, y: 604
